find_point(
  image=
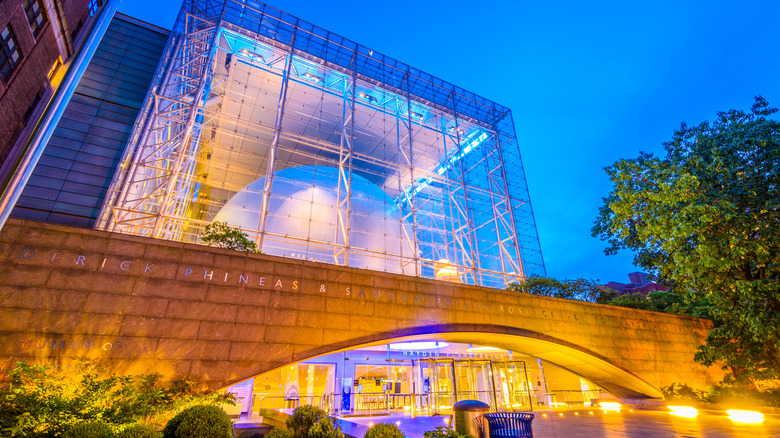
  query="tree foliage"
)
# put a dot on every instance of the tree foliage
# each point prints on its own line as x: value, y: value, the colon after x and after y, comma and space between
x: 579, y: 289
x: 40, y: 401
x: 222, y: 235
x: 704, y: 217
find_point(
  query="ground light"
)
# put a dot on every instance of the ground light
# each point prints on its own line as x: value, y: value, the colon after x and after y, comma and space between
x: 745, y: 417
x: 610, y: 406
x: 683, y: 411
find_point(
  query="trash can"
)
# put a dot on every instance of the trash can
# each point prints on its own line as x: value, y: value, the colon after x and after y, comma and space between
x: 465, y: 411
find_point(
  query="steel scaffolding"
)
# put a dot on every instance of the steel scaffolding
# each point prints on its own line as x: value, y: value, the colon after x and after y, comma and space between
x: 321, y: 149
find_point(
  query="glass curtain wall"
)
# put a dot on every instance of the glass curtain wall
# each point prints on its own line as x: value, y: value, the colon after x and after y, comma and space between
x: 320, y: 149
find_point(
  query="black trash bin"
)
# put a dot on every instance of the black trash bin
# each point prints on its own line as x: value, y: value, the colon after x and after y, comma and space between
x: 465, y: 411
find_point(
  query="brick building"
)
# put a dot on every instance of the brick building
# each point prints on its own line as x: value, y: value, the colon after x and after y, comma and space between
x: 37, y: 37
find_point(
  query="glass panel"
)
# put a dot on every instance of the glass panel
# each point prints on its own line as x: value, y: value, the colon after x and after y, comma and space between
x: 512, y: 392
x: 295, y: 385
x: 483, y: 382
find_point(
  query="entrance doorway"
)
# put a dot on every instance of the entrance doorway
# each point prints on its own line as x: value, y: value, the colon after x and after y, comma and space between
x: 421, y: 378
x: 439, y: 383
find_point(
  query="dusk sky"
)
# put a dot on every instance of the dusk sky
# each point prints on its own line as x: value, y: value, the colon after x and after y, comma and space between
x: 588, y: 83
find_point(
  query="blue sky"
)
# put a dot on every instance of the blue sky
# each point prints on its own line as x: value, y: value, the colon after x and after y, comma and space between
x: 588, y: 83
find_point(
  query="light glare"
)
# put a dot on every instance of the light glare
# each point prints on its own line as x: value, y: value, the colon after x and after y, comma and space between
x: 747, y: 417
x: 610, y: 406
x: 683, y: 411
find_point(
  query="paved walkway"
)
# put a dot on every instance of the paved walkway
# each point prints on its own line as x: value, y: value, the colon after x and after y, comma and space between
x: 581, y: 424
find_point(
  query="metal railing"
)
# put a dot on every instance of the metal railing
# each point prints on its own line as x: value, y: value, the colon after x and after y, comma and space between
x: 567, y: 398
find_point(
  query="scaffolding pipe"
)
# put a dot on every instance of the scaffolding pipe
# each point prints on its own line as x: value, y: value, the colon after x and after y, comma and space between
x: 35, y: 145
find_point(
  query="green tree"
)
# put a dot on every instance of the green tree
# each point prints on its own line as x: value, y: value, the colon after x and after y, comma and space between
x: 579, y: 289
x: 222, y: 235
x: 704, y: 217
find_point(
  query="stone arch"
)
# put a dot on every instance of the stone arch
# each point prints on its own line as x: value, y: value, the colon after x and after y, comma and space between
x: 588, y: 364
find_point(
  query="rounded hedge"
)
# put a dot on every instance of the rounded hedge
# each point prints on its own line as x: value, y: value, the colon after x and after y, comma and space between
x: 279, y: 433
x: 139, y: 431
x: 384, y: 430
x: 199, y: 422
x: 302, y: 419
x: 93, y: 429
x: 325, y: 428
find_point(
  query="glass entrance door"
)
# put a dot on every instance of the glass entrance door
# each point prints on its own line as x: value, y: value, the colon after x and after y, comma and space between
x: 474, y: 380
x: 511, y: 384
x: 435, y: 385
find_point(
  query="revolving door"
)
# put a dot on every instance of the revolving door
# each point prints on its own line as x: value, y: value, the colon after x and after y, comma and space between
x: 438, y: 383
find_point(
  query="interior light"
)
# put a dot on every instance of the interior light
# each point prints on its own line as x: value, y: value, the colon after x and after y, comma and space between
x: 252, y: 55
x: 314, y: 78
x: 367, y: 97
x: 683, y: 411
x: 746, y: 417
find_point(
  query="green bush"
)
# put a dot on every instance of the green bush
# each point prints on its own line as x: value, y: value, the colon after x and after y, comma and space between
x: 199, y: 422
x: 445, y: 432
x: 139, y: 431
x: 325, y: 428
x: 384, y: 430
x: 279, y: 433
x: 682, y: 392
x: 41, y: 401
x: 302, y: 419
x: 92, y: 429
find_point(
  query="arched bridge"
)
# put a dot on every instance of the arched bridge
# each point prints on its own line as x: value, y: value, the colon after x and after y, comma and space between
x: 146, y: 305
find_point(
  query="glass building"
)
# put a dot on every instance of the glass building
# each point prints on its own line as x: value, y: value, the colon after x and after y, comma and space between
x: 322, y: 149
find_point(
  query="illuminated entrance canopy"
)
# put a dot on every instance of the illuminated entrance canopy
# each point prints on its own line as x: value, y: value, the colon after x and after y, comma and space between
x: 321, y: 149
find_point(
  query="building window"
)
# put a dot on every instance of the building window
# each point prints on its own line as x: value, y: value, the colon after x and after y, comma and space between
x: 9, y: 53
x: 93, y: 6
x: 36, y: 15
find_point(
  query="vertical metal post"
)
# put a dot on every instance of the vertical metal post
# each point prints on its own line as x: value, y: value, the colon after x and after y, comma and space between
x: 183, y: 150
x: 273, y: 148
x: 472, y: 233
x: 345, y: 170
x: 510, y: 207
x: 35, y: 145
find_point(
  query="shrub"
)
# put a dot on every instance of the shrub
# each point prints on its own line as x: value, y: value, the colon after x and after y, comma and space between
x: 325, y: 428
x: 279, y: 433
x: 302, y: 419
x: 139, y: 431
x: 445, y: 432
x: 199, y: 422
x: 38, y: 400
x: 384, y: 430
x: 92, y: 429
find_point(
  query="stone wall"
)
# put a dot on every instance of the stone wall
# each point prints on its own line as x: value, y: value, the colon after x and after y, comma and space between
x: 147, y: 305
